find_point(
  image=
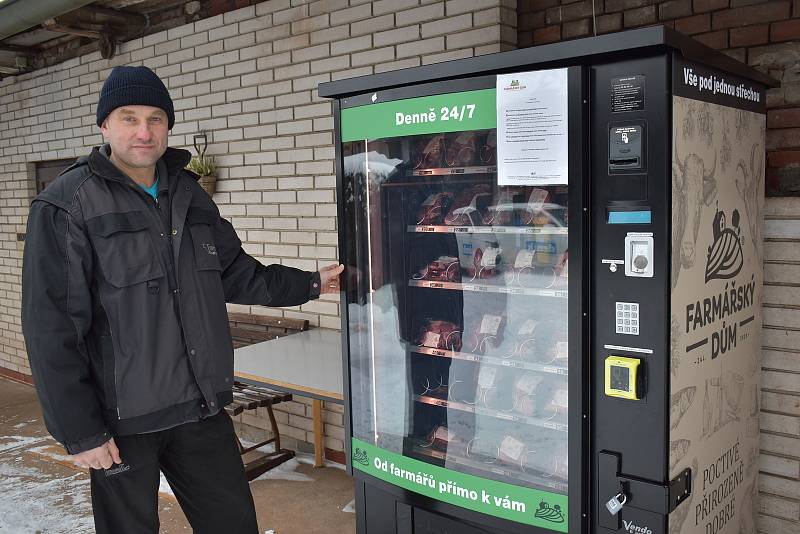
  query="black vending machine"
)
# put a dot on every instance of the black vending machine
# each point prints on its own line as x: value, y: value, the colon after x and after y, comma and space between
x: 551, y: 310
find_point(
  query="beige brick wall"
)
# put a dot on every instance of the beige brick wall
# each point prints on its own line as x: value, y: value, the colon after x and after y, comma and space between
x: 247, y: 77
x: 780, y: 398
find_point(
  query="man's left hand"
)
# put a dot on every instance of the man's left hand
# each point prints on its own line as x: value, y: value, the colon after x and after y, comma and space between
x: 329, y: 278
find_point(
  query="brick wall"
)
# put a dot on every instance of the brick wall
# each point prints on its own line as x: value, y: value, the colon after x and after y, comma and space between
x: 780, y: 399
x: 765, y: 35
x: 248, y: 77
x: 761, y: 33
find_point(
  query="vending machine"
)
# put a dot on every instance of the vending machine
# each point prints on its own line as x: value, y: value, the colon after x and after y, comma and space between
x: 551, y: 308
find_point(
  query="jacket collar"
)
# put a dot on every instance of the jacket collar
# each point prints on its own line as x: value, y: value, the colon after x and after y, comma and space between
x: 173, y: 160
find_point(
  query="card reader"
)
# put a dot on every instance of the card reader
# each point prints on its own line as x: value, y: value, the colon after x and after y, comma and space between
x: 622, y: 377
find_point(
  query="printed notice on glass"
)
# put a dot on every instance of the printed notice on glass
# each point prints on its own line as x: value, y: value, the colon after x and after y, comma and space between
x: 532, y: 128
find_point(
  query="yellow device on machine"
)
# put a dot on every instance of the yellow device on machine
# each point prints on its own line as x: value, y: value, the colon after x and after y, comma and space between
x: 622, y: 377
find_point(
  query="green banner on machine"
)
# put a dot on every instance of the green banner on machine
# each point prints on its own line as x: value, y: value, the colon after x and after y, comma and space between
x: 452, y: 112
x: 514, y: 503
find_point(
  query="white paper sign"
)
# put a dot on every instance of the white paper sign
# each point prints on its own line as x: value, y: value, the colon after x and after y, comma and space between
x: 532, y: 128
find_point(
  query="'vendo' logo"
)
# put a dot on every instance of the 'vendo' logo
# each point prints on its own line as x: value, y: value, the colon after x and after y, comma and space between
x: 361, y: 456
x: 635, y: 529
x: 549, y: 513
x: 725, y: 257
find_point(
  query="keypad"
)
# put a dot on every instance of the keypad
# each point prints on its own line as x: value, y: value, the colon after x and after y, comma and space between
x: 628, y: 318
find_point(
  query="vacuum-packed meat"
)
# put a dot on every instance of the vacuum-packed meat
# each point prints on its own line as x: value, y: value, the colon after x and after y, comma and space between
x: 469, y: 205
x: 444, y: 268
x: 440, y: 335
x: 434, y: 207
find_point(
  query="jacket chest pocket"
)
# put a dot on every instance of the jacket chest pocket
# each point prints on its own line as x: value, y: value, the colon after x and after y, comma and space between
x: 125, y: 248
x: 201, y: 225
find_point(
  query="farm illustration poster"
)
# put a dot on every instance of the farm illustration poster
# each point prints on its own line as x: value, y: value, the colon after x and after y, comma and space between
x: 717, y: 200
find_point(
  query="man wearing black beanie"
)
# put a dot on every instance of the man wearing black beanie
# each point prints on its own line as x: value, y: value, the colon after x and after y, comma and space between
x: 126, y: 272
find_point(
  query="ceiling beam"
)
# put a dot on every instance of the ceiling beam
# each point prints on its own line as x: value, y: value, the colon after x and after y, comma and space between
x: 105, y: 16
x: 20, y: 16
x: 53, y: 26
x: 17, y: 49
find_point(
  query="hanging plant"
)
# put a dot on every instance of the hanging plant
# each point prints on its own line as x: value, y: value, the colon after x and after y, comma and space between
x: 207, y: 169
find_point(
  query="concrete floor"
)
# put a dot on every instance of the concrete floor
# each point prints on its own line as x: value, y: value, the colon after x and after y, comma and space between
x: 42, y: 492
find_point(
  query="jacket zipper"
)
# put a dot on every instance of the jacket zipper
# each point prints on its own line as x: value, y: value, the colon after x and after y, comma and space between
x: 177, y: 302
x: 152, y: 208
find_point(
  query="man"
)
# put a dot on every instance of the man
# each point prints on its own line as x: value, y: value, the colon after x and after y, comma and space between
x: 127, y: 268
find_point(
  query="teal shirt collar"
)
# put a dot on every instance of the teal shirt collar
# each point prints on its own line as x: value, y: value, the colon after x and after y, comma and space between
x: 153, y: 189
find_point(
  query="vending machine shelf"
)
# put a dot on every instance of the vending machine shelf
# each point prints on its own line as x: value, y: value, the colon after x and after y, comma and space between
x: 488, y: 288
x: 492, y: 469
x: 448, y: 171
x: 551, y: 424
x: 500, y: 362
x: 444, y: 229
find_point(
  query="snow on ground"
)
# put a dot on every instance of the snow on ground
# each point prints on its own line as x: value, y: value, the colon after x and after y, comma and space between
x: 9, y: 443
x: 35, y: 502
x: 350, y: 507
x: 286, y: 471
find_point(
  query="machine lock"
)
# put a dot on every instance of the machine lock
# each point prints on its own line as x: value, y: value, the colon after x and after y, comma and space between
x: 657, y: 497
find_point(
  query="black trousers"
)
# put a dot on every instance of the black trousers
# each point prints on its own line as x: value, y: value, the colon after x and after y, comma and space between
x: 202, y: 464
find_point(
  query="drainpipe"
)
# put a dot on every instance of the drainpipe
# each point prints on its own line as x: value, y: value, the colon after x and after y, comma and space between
x: 24, y: 14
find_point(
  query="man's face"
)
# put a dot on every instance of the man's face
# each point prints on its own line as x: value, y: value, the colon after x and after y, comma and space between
x: 137, y: 135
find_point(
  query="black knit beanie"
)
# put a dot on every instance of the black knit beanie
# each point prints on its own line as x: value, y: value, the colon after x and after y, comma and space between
x: 130, y: 86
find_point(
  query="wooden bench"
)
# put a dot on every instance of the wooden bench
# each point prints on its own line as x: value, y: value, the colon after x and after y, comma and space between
x: 250, y: 329
x: 247, y: 330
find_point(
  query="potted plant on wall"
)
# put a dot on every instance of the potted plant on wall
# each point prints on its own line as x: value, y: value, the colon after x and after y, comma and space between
x: 203, y: 165
x: 207, y: 169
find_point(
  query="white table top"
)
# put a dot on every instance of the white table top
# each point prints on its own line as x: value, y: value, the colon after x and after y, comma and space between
x: 307, y: 363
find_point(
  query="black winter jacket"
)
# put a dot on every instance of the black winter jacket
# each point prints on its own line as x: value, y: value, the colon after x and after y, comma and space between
x: 123, y: 300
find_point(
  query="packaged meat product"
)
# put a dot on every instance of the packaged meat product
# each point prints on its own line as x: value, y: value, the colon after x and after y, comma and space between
x: 444, y: 268
x: 528, y: 392
x: 525, y: 346
x: 430, y: 152
x: 536, y: 276
x: 431, y: 386
x: 511, y: 451
x: 463, y: 391
x: 485, y: 262
x: 541, y: 210
x: 489, y: 148
x: 440, y: 335
x: 442, y: 438
x: 558, y: 401
x: 549, y: 462
x: 461, y: 149
x: 527, y: 273
x: 562, y: 266
x: 534, y: 206
x: 483, y: 449
x: 551, y: 345
x: 503, y: 211
x: 469, y: 205
x: 487, y: 334
x: 499, y: 396
x: 434, y: 207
